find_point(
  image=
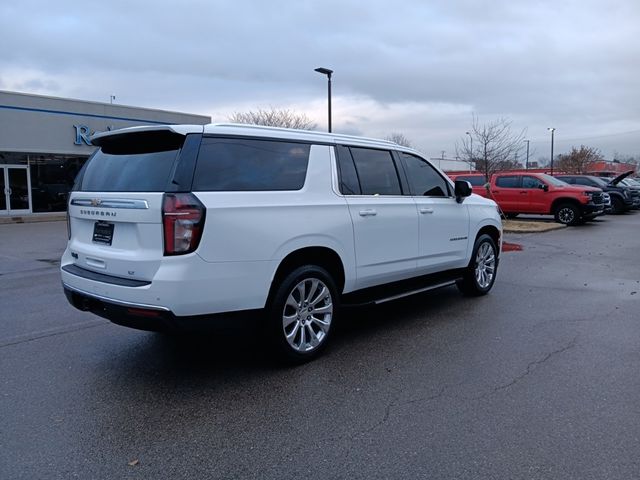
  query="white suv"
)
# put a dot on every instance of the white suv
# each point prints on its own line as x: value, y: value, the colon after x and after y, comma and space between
x: 173, y: 226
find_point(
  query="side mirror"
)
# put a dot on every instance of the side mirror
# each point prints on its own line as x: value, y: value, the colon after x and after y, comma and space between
x: 545, y: 188
x: 462, y: 190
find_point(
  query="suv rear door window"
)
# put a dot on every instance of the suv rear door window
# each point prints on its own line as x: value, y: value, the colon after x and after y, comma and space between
x: 238, y: 164
x: 508, y: 181
x: 424, y: 180
x: 376, y: 171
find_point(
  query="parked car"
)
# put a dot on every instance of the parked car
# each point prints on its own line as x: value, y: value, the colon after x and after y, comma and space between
x: 635, y: 191
x: 175, y: 226
x: 522, y: 192
x: 621, y: 197
x: 622, y: 182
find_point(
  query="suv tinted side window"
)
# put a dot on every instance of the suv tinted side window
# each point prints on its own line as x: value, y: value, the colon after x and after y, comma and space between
x: 569, y: 180
x: 238, y: 164
x: 376, y: 171
x: 508, y: 181
x: 424, y: 180
x: 585, y: 181
x: 474, y: 180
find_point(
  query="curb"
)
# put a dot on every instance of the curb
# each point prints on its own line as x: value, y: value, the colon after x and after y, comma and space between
x: 524, y: 226
x: 34, y: 218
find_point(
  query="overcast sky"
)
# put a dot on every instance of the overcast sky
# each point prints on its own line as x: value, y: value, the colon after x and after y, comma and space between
x: 421, y: 68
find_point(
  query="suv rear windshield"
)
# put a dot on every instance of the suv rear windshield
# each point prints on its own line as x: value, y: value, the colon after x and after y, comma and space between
x: 135, y: 162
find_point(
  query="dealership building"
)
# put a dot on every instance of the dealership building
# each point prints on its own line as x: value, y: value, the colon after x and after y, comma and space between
x: 44, y: 141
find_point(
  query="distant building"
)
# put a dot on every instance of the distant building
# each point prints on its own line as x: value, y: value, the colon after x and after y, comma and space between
x: 451, y: 165
x: 44, y: 141
x: 614, y: 168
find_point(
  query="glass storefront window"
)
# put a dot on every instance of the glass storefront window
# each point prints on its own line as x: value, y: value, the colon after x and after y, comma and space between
x: 52, y: 177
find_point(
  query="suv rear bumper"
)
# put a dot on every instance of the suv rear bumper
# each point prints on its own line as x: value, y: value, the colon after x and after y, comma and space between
x: 155, y: 318
x: 185, y: 285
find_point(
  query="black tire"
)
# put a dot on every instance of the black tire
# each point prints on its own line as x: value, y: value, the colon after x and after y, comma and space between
x: 567, y: 214
x: 302, y: 317
x: 472, y: 283
x: 617, y: 206
x: 511, y: 215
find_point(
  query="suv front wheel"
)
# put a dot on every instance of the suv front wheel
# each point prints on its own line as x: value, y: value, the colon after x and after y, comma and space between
x: 567, y: 214
x: 302, y: 313
x: 481, y: 272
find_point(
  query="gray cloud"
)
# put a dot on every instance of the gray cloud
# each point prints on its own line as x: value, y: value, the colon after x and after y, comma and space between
x: 417, y: 67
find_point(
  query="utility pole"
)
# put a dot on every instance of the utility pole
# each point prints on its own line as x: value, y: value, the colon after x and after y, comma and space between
x: 552, y: 130
x: 328, y: 73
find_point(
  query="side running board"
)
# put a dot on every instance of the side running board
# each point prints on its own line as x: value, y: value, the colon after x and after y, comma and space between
x: 394, y: 291
x: 414, y: 292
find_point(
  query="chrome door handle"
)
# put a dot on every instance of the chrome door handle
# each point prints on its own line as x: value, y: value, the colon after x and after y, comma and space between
x: 369, y: 212
x: 426, y: 210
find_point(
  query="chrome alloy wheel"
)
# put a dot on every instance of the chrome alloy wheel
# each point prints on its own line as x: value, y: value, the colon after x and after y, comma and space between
x: 307, y: 315
x: 485, y: 265
x: 566, y: 215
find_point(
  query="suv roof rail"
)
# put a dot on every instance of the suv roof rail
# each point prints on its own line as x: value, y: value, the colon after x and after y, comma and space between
x: 333, y: 136
x: 327, y: 137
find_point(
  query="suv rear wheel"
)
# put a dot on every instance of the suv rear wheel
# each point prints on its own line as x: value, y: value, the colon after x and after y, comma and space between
x: 481, y: 272
x: 302, y: 313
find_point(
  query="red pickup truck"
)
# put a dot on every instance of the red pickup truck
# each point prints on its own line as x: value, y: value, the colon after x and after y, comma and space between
x: 538, y: 193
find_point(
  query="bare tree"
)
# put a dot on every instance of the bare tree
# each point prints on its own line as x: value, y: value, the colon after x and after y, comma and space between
x: 495, y: 146
x: 274, y: 117
x: 579, y: 160
x: 625, y: 158
x: 399, y: 138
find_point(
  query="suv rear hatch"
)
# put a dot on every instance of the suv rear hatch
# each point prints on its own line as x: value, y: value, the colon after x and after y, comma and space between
x: 116, y: 206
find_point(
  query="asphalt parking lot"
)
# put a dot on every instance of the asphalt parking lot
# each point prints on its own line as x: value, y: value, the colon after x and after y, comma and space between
x: 539, y: 379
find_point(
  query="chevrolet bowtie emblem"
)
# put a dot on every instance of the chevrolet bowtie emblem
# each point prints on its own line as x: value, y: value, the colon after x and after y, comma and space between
x: 95, y: 202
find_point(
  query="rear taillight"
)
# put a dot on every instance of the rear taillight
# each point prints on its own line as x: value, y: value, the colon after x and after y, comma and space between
x: 183, y: 222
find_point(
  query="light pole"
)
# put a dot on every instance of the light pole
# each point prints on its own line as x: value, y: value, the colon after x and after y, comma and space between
x: 552, y: 130
x: 471, y: 147
x: 526, y: 165
x: 327, y: 72
x: 112, y: 98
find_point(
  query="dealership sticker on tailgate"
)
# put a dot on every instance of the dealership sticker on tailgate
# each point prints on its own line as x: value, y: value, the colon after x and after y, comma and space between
x: 103, y: 233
